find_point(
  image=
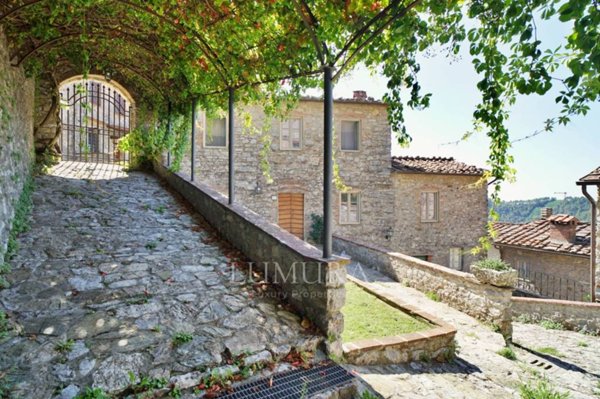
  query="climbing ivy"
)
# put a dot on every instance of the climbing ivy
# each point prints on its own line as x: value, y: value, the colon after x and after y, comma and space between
x: 152, y: 139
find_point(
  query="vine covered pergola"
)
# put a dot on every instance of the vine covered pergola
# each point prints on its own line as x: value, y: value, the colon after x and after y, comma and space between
x: 171, y: 53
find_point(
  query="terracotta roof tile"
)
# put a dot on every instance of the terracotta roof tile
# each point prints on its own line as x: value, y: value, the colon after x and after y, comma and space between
x: 563, y: 219
x: 535, y: 235
x: 434, y: 165
x: 591, y: 178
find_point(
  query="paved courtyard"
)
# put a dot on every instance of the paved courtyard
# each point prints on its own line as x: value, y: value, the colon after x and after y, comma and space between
x: 478, y: 371
x: 140, y: 284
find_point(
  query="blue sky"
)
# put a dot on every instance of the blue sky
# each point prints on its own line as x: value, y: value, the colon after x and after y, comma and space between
x: 545, y: 164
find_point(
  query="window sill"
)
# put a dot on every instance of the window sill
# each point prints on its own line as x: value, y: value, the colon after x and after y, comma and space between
x: 429, y: 221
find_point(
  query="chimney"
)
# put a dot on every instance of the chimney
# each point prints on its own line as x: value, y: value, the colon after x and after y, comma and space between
x: 360, y: 95
x: 563, y: 228
x: 546, y: 213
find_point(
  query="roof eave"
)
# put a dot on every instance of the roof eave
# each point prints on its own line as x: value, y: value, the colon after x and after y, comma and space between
x: 435, y: 173
x: 549, y: 251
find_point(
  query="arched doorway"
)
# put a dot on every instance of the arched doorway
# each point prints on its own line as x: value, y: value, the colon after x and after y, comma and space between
x: 95, y: 114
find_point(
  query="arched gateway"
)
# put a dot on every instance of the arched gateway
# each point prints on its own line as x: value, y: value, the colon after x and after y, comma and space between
x: 95, y: 114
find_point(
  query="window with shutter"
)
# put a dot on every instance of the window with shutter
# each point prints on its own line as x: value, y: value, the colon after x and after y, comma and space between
x: 349, y: 208
x: 290, y: 137
x: 215, y: 134
x: 456, y: 258
x: 350, y: 136
x: 429, y: 206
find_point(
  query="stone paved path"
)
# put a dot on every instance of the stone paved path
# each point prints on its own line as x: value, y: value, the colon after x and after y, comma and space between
x: 478, y: 371
x: 115, y: 263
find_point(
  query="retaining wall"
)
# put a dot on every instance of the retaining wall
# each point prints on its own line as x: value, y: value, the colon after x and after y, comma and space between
x: 578, y: 316
x: 314, y: 286
x: 16, y: 138
x: 458, y: 289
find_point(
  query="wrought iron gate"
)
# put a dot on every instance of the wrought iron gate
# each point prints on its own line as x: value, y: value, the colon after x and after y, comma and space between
x: 94, y: 117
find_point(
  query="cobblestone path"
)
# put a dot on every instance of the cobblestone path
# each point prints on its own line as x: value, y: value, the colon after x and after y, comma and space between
x: 478, y: 371
x: 115, y: 263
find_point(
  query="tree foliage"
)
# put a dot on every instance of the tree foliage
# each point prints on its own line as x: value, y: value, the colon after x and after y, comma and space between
x: 527, y: 210
x: 270, y: 51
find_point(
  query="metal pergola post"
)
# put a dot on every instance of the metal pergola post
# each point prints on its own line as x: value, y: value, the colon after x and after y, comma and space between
x: 231, y: 131
x: 169, y: 130
x: 327, y: 159
x: 193, y: 149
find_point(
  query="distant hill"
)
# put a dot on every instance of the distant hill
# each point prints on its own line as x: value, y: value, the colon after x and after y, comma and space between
x: 527, y: 210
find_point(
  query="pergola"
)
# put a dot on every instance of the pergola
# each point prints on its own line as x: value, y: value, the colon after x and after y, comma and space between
x: 202, y: 51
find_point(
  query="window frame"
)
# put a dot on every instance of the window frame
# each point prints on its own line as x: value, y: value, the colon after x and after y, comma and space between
x: 358, y: 134
x: 460, y: 251
x: 436, y: 206
x: 205, y: 132
x: 291, y: 148
x: 358, y: 211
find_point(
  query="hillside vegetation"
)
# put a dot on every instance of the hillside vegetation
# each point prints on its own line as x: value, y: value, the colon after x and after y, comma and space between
x: 527, y: 210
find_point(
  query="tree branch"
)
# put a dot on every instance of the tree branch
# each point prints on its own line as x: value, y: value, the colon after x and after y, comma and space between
x: 309, y: 28
x: 374, y: 34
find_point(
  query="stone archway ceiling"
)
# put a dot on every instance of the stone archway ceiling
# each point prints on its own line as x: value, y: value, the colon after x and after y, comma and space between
x: 185, y: 48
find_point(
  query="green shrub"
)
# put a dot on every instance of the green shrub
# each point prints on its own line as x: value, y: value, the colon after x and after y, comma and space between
x: 316, y: 228
x: 93, y: 393
x: 146, y: 143
x: 65, y: 346
x: 4, y: 326
x: 181, y: 338
x: 433, y: 296
x: 508, y: 353
x: 549, y: 350
x: 542, y: 390
x: 493, y: 264
x: 551, y: 325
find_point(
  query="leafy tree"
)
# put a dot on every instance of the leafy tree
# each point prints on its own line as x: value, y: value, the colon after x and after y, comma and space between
x: 527, y: 210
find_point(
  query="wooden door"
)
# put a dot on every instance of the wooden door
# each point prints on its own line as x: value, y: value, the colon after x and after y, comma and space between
x: 291, y: 213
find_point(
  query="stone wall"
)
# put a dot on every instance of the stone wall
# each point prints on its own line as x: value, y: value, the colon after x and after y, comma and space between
x: 598, y: 245
x: 16, y: 138
x: 314, y: 286
x: 462, y: 216
x: 458, y: 289
x: 46, y: 112
x: 437, y: 342
x: 578, y: 316
x: 301, y: 171
x: 551, y: 274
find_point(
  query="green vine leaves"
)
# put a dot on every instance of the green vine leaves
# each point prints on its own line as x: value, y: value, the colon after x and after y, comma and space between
x: 271, y: 51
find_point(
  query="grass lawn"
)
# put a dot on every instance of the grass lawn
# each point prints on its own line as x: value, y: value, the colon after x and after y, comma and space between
x: 366, y: 316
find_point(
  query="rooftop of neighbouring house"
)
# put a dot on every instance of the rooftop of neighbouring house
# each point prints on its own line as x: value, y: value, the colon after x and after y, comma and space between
x: 434, y: 165
x: 591, y: 178
x: 560, y: 233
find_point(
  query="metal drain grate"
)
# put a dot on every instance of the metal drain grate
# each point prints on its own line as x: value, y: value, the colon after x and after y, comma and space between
x: 294, y: 384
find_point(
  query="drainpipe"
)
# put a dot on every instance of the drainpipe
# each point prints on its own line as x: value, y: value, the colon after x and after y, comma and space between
x: 592, y: 243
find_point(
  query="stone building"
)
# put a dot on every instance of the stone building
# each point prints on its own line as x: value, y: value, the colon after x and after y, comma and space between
x: 440, y: 209
x: 552, y: 255
x: 295, y: 155
x: 381, y: 203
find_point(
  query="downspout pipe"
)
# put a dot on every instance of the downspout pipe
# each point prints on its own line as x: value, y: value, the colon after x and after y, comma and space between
x: 592, y: 243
